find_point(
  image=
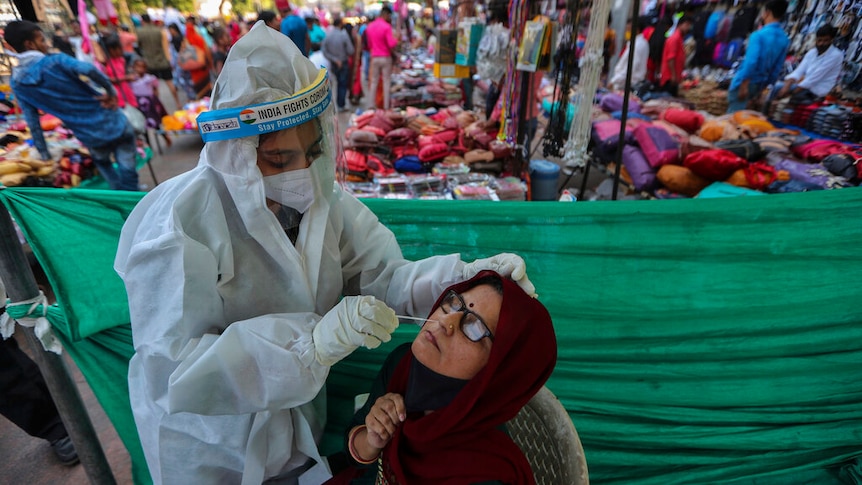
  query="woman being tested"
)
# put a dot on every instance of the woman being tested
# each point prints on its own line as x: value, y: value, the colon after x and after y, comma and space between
x: 436, y: 411
x: 235, y: 273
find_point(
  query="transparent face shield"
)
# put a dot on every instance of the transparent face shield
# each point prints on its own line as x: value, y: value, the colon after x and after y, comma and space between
x: 298, y: 130
x: 267, y: 86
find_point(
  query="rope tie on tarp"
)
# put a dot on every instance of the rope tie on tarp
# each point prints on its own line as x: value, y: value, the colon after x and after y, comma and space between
x: 31, y: 313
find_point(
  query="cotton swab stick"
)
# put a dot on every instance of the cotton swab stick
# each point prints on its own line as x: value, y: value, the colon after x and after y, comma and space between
x: 416, y: 319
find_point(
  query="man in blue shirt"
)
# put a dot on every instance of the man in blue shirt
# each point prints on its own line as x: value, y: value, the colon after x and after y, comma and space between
x: 77, y: 93
x: 294, y: 27
x: 764, y: 58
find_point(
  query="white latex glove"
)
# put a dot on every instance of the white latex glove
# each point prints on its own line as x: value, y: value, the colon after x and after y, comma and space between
x: 355, y: 321
x: 506, y: 264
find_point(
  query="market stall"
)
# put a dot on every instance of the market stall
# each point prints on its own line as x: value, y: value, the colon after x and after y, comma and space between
x: 427, y: 154
x: 70, y: 166
x: 671, y: 150
x: 182, y: 122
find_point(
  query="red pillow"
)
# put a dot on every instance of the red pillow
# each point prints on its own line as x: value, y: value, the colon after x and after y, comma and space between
x: 378, y: 168
x: 356, y: 162
x: 400, y: 151
x: 688, y: 120
x: 434, y: 153
x: 715, y: 164
x: 500, y: 149
x: 363, y: 119
x: 445, y: 136
x: 451, y: 124
x: 425, y: 140
x: 363, y: 137
x: 382, y: 121
x: 400, y: 136
x: 483, y: 140
x: 380, y: 132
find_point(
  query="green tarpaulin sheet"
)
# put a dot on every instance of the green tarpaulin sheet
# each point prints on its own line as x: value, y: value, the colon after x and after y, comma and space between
x: 701, y: 341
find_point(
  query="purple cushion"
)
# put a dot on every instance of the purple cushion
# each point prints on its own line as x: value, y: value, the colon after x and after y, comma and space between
x: 658, y: 145
x: 642, y: 174
x: 614, y: 102
x: 811, y: 173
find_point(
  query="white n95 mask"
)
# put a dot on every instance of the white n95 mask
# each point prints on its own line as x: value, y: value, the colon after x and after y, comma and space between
x: 294, y: 189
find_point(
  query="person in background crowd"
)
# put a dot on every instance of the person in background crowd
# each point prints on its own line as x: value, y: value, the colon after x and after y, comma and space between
x: 145, y: 87
x: 337, y: 48
x: 531, y: 114
x: 25, y: 399
x: 205, y: 30
x: 54, y: 84
x: 234, y: 28
x: 61, y: 42
x: 492, y: 54
x: 356, y: 93
x: 316, y: 34
x: 764, y: 58
x: 270, y: 18
x: 201, y: 77
x: 656, y: 49
x: 221, y: 45
x: 154, y: 44
x: 77, y: 41
x: 639, y: 65
x: 366, y: 53
x: 608, y: 46
x: 128, y: 40
x: 114, y: 66
x: 818, y: 72
x: 381, y: 44
x: 184, y: 80
x: 293, y: 26
x: 673, y: 57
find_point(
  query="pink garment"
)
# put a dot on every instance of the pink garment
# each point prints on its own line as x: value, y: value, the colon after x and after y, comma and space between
x: 115, y: 69
x: 128, y: 41
x: 105, y: 12
x: 145, y: 85
x: 85, y: 28
x: 380, y: 38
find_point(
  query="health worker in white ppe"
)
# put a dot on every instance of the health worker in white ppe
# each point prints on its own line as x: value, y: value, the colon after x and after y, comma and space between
x: 253, y: 273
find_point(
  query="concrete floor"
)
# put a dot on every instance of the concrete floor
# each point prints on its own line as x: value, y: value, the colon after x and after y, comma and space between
x: 28, y: 460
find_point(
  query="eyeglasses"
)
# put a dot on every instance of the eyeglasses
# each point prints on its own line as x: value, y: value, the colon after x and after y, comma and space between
x: 471, y: 324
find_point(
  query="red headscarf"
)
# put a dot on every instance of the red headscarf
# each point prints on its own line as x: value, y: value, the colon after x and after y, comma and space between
x: 193, y: 36
x: 460, y: 443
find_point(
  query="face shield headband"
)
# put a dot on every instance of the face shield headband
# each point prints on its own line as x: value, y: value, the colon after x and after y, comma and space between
x: 245, y: 121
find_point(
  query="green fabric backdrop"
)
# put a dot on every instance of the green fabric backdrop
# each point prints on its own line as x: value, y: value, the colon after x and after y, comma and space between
x: 701, y: 341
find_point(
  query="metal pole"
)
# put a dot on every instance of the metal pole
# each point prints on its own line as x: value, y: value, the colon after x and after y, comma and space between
x: 634, y: 32
x: 21, y: 285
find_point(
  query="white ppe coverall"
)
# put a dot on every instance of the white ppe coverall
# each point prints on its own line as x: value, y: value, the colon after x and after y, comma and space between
x: 224, y: 383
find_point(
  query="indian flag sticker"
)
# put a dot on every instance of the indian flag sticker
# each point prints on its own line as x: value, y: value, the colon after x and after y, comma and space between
x: 248, y: 116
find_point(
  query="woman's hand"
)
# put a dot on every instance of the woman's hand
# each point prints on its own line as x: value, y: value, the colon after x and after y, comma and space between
x: 387, y: 413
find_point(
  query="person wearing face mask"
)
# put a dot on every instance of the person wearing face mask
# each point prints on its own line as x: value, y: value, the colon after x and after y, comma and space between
x: 483, y: 353
x: 253, y: 273
x: 818, y: 72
